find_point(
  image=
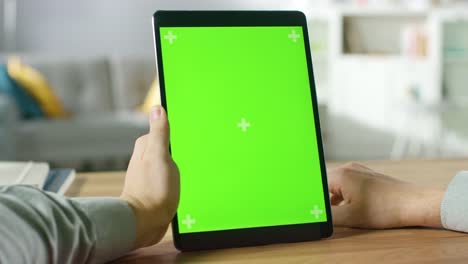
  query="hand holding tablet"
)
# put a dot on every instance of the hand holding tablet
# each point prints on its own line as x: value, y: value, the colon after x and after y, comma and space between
x: 240, y: 97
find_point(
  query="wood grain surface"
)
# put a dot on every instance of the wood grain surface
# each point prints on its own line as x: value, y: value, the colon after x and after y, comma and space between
x: 408, y: 245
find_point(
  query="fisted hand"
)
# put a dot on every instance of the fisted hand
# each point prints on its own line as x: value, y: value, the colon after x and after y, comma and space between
x: 364, y: 198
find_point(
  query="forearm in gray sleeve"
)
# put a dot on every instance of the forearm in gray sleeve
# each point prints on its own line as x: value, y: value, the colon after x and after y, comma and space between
x: 40, y: 227
x: 454, y: 207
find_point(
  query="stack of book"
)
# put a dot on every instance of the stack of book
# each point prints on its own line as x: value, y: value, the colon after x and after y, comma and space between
x: 37, y: 174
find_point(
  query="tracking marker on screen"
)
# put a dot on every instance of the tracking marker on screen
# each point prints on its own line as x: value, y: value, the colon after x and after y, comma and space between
x: 316, y: 212
x: 243, y: 124
x: 170, y: 37
x: 188, y: 221
x: 294, y: 36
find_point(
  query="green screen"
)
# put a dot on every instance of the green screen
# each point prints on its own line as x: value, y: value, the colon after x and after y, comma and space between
x: 242, y: 127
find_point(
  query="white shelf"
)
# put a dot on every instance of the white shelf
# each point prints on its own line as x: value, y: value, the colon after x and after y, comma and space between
x: 383, y: 11
x: 365, y: 83
x: 463, y: 60
x: 382, y: 58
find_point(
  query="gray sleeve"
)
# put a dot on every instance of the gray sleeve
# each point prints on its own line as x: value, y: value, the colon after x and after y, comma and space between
x: 454, y: 207
x: 40, y: 227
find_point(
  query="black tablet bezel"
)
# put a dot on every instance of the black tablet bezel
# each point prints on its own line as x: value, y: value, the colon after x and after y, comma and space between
x: 257, y: 235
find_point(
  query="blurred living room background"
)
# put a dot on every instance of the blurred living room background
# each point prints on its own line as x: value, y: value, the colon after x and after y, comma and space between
x: 391, y: 77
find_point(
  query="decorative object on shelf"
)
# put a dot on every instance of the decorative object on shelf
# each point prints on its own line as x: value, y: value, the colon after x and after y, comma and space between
x: 414, y: 40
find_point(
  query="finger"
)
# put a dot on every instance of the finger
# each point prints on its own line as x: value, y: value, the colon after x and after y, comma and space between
x: 335, y: 199
x: 356, y: 166
x: 140, y: 146
x: 343, y: 215
x: 335, y: 180
x: 158, y: 137
x: 138, y: 151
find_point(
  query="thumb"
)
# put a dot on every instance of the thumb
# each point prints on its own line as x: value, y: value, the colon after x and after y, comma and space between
x: 342, y: 215
x: 158, y: 137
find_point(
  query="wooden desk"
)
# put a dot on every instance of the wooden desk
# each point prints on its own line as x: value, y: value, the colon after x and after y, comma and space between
x: 408, y: 245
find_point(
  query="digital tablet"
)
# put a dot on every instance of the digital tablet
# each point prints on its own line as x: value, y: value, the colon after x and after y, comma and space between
x: 239, y: 91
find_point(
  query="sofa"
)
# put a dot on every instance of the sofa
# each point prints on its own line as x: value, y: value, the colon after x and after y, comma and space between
x: 101, y: 93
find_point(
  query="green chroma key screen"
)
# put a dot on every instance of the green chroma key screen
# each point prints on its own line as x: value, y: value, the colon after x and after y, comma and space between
x: 242, y: 127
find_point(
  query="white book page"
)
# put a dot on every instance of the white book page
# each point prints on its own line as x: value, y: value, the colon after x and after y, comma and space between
x: 29, y: 173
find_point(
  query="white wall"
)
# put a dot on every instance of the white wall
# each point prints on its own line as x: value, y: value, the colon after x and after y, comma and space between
x: 1, y: 24
x: 107, y: 26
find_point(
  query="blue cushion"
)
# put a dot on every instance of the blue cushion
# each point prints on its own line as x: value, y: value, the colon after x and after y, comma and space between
x: 28, y: 106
